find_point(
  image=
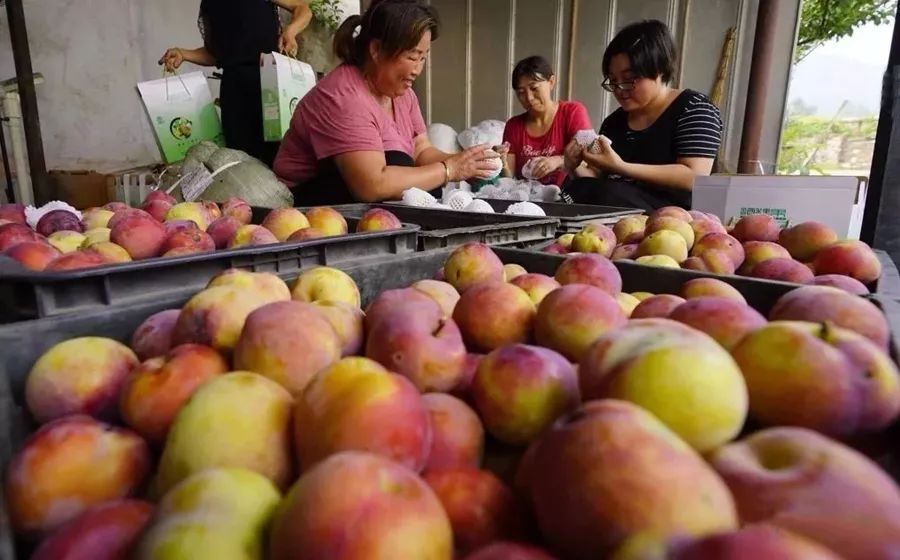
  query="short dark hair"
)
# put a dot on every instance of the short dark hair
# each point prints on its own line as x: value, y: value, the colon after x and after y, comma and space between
x: 535, y: 67
x: 650, y: 48
x: 397, y: 24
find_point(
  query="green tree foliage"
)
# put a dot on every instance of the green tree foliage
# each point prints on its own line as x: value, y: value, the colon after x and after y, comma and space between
x: 824, y: 20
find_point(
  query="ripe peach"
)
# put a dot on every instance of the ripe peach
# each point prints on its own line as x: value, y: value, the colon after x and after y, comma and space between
x: 727, y: 320
x: 701, y: 287
x: 753, y: 542
x: 265, y: 281
x: 717, y: 262
x: 15, y: 233
x: 822, y: 303
x: 595, y: 238
x: 158, y: 388
x: 480, y: 507
x: 196, y: 240
x: 357, y: 392
x: 95, y: 236
x: 509, y: 551
x: 154, y: 336
x: 378, y: 219
x: 842, y: 282
x: 657, y: 307
x: 14, y: 213
x: 628, y: 303
x: 510, y: 271
x: 251, y: 236
x: 625, y: 252
x: 323, y: 283
x: 68, y: 466
x: 416, y: 342
x: 327, y: 220
x: 851, y: 258
x: 348, y: 323
x: 759, y: 251
x: 288, y: 342
x: 664, y: 242
x: 537, y: 286
x: 389, y: 300
x: 223, y: 230
x: 756, y: 227
x: 785, y: 270
x: 630, y: 229
x: 173, y: 226
x: 115, y: 206
x: 442, y: 293
x: 594, y: 474
x: 662, y: 261
x: 211, y: 210
x: 457, y: 434
x: 283, y: 222
x: 856, y: 384
x: 127, y: 213
x: 33, y: 255
x: 395, y: 514
x: 193, y: 211
x: 157, y: 208
x: 110, y: 252
x: 555, y: 249
x: 494, y: 314
x: 593, y: 270
x: 96, y: 218
x: 805, y: 240
x: 570, y: 319
x: 79, y: 376
x: 704, y: 226
x: 305, y: 234
x: 520, y: 390
x: 143, y: 238
x: 673, y: 212
x: 66, y: 241
x: 817, y: 488
x: 238, y: 209
x: 87, y: 258
x: 681, y: 227
x: 471, y: 264
x: 720, y: 242
x: 107, y: 531
x: 566, y: 240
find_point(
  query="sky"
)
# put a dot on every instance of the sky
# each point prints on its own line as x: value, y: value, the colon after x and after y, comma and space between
x: 852, y: 67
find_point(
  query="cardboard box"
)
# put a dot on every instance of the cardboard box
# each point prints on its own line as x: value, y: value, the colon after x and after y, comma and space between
x: 80, y: 188
x: 838, y: 202
x: 284, y: 82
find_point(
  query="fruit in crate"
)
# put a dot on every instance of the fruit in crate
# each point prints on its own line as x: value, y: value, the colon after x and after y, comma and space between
x: 156, y: 390
x: 662, y: 261
x: 327, y: 220
x: 306, y: 234
x: 857, y: 386
x: 114, y: 206
x: 702, y: 287
x: 223, y: 230
x: 238, y: 209
x: 253, y: 411
x: 566, y: 240
x: 537, y: 286
x: 784, y: 270
x: 79, y: 376
x: 283, y: 222
x: 356, y: 404
x: 720, y: 242
x: 842, y: 282
x: 571, y: 318
x: 13, y: 234
x: 251, y: 236
x: 657, y: 307
x: 471, y: 264
x: 33, y: 255
x: 161, y: 196
x: 822, y: 303
x: 14, y: 213
x: 442, y: 293
x: 109, y: 252
x: 58, y: 220
x: 669, y: 223
x: 850, y: 258
x: 594, y: 270
x: 511, y: 271
x: 66, y: 241
x: 158, y: 208
x: 726, y: 320
x: 494, y: 314
x: 664, y: 242
x: 96, y: 218
x: 756, y: 227
x: 704, y: 226
x: 108, y: 531
x: 94, y: 236
x: 217, y: 513
x: 594, y: 474
x: 678, y: 373
x: 806, y: 239
x: 194, y: 241
x: 625, y: 252
x: 323, y: 283
x: 505, y: 550
x: 173, y: 226
x: 820, y: 489
x: 717, y: 262
x: 193, y: 211
x: 153, y: 337
x: 457, y: 435
x: 126, y: 213
x: 348, y: 323
x: 143, y: 237
x: 395, y: 513
x: 268, y: 282
x: 378, y: 219
x: 212, y: 211
x: 87, y: 258
x: 520, y: 390
x: 759, y: 251
x: 388, y: 301
x: 628, y: 303
x: 630, y: 229
x: 54, y: 477
x: 595, y: 238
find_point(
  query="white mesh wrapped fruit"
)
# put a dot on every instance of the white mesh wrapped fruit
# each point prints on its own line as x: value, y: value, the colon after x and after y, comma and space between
x: 528, y: 169
x: 418, y: 197
x: 496, y: 161
x: 459, y: 200
x: 586, y: 137
x: 479, y: 206
x: 33, y: 215
x: 525, y: 209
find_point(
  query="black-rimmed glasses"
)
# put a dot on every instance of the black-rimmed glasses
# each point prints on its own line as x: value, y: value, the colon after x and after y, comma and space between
x: 613, y: 86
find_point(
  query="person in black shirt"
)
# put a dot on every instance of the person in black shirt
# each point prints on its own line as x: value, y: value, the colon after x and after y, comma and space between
x: 235, y: 34
x: 659, y: 139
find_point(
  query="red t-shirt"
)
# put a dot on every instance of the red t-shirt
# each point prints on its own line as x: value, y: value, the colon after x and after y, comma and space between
x: 571, y: 116
x: 339, y: 115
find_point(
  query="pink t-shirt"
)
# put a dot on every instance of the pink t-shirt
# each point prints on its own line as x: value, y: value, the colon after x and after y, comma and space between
x: 341, y: 115
x: 571, y: 117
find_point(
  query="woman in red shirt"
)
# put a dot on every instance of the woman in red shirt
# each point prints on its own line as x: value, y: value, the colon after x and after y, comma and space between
x: 540, y: 134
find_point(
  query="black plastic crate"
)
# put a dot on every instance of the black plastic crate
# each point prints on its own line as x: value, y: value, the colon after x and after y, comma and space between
x: 573, y: 217
x: 441, y: 229
x: 31, y: 295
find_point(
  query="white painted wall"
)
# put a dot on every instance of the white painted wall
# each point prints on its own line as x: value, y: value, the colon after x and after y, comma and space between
x: 92, y: 53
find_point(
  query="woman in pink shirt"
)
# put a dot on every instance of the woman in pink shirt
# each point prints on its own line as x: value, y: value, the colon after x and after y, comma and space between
x: 540, y: 134
x: 359, y: 134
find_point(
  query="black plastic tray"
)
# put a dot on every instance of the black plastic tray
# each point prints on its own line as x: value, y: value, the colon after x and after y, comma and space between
x: 23, y: 343
x: 31, y: 295
x: 441, y: 229
x: 573, y: 217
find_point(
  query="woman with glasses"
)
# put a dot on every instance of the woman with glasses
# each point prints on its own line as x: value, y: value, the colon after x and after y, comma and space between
x: 659, y: 139
x: 534, y: 141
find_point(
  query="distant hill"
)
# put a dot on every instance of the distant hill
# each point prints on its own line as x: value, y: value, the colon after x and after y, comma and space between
x: 824, y: 81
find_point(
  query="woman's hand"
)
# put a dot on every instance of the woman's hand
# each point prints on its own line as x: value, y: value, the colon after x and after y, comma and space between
x: 543, y: 166
x: 573, y: 156
x: 173, y: 58
x: 606, y: 159
x: 287, y: 44
x: 471, y: 163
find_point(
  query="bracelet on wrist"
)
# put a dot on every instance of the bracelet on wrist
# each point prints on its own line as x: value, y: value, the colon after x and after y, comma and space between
x: 446, y: 172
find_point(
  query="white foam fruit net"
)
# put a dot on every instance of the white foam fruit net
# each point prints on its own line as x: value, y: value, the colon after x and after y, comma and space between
x: 525, y: 209
x: 459, y: 200
x: 419, y: 198
x: 480, y: 206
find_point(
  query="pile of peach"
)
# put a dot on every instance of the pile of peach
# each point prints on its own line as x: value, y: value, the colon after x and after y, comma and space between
x: 161, y: 227
x: 486, y: 414
x: 808, y: 253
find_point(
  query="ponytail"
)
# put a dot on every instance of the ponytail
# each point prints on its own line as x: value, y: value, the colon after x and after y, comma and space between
x: 397, y: 25
x: 346, y: 45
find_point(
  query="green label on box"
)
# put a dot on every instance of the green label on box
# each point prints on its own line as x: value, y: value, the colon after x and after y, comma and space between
x: 780, y: 214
